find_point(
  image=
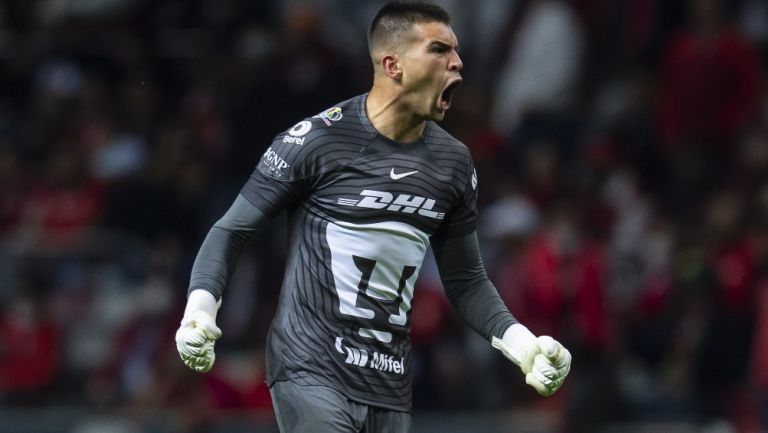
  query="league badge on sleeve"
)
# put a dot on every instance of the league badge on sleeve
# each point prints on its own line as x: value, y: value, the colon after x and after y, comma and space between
x: 330, y: 115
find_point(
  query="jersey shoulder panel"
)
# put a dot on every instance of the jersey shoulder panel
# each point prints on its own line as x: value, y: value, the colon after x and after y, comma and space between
x: 450, y: 154
x: 446, y: 147
x: 316, y: 144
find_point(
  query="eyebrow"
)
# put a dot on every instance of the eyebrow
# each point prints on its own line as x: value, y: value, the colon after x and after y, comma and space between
x: 445, y: 44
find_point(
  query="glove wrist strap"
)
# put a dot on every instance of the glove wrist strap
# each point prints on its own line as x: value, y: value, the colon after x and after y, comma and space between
x: 202, y: 300
x: 517, y: 339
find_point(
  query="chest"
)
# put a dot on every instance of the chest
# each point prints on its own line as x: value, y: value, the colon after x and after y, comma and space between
x: 379, y: 186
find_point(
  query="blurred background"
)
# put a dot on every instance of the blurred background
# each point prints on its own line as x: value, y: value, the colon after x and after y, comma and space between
x: 622, y: 151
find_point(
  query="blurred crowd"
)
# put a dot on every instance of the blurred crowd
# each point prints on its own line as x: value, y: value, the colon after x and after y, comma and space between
x: 622, y: 153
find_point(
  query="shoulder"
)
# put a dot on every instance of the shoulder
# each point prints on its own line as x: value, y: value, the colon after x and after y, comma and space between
x: 316, y: 144
x: 339, y: 123
x: 451, y: 155
x: 446, y: 147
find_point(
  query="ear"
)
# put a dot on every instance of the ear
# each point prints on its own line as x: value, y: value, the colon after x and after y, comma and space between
x: 392, y: 67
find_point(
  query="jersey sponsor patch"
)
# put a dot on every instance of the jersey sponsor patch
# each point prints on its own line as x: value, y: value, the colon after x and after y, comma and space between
x: 376, y: 361
x: 300, y: 129
x: 294, y: 140
x: 274, y: 164
x: 297, y: 132
x: 404, y: 203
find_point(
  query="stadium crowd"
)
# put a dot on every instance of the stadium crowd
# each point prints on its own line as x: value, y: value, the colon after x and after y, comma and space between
x: 622, y: 154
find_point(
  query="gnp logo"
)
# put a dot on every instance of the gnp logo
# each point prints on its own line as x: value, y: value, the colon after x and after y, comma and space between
x: 330, y: 115
x: 404, y: 203
x: 274, y: 162
x: 377, y: 361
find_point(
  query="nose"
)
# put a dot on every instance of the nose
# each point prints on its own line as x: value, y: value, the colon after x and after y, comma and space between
x: 455, y: 65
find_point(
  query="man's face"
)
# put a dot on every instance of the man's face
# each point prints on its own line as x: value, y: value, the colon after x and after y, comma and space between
x: 431, y: 65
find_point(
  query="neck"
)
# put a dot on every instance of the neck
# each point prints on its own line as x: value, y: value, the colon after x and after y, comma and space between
x: 392, y: 116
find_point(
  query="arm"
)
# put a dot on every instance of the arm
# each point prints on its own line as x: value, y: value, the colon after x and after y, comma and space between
x: 216, y: 260
x: 543, y: 360
x: 468, y: 288
x: 281, y: 179
x: 214, y: 265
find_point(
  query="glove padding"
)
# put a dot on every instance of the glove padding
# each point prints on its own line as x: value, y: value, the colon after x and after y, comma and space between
x: 543, y: 360
x: 195, y: 339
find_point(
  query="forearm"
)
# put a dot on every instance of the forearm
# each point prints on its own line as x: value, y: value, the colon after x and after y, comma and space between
x: 543, y: 360
x: 467, y: 286
x: 214, y: 264
x: 216, y: 261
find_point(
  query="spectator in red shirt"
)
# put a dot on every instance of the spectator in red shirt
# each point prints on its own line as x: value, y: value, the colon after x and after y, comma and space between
x: 28, y: 351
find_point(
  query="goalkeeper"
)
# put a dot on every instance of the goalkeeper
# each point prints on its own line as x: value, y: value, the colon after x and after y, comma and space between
x: 368, y: 184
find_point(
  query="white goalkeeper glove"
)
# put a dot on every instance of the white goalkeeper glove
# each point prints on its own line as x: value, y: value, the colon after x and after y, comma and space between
x: 543, y: 360
x: 198, y: 332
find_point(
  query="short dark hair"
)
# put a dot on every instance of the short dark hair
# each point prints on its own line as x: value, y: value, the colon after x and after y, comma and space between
x: 398, y: 17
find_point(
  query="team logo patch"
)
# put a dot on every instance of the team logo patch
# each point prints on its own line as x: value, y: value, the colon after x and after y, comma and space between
x: 330, y: 115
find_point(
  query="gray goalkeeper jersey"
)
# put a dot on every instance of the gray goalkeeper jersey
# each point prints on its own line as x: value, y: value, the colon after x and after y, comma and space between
x: 361, y: 212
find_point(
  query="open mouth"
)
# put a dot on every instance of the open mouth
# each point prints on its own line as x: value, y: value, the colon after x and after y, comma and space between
x: 447, y: 95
